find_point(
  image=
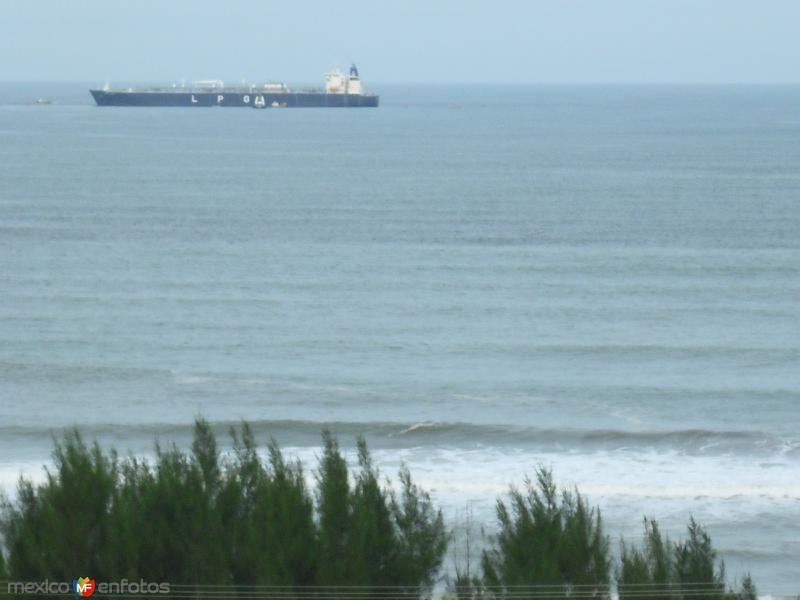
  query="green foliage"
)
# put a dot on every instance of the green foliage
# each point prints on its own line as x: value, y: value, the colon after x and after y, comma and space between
x: 371, y: 543
x: 547, y: 538
x: 174, y: 505
x: 334, y: 505
x: 422, y: 538
x: 371, y: 537
x: 200, y: 518
x: 59, y: 528
x: 651, y: 566
x: 695, y: 565
x: 686, y: 570
x: 287, y: 511
x: 3, y: 575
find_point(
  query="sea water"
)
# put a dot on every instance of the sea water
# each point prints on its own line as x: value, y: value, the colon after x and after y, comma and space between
x: 601, y: 280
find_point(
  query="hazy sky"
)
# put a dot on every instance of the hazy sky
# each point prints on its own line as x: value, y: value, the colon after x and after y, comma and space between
x: 403, y: 41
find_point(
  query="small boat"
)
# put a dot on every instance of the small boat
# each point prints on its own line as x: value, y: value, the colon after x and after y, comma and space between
x: 43, y: 101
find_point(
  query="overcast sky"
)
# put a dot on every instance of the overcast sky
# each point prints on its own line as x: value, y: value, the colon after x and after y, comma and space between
x: 404, y: 41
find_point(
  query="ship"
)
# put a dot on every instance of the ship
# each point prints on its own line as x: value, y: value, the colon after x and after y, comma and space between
x: 341, y: 90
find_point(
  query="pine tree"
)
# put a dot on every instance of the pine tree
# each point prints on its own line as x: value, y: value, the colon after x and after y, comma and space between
x: 421, y: 535
x: 695, y: 566
x: 547, y: 539
x: 686, y: 570
x: 335, y: 514
x: 286, y: 509
x: 197, y: 518
x: 61, y: 527
x: 372, y: 545
x: 647, y: 568
x: 239, y: 499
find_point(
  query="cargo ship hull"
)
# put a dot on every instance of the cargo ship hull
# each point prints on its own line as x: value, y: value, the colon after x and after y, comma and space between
x: 253, y: 99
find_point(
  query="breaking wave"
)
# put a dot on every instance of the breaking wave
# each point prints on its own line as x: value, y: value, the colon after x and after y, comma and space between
x: 456, y: 435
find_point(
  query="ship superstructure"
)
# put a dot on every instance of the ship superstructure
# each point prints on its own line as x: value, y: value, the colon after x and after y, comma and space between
x: 341, y: 90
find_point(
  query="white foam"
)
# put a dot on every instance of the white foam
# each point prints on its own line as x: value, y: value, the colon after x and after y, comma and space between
x: 418, y: 426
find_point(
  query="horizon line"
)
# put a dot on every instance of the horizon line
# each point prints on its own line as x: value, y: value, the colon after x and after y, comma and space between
x: 462, y: 83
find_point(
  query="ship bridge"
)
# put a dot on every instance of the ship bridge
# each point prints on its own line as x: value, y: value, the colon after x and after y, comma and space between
x: 336, y: 82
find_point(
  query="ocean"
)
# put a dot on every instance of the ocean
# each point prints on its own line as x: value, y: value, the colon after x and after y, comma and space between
x: 604, y: 280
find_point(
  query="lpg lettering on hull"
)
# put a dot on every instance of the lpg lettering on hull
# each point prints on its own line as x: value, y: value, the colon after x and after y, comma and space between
x: 341, y: 90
